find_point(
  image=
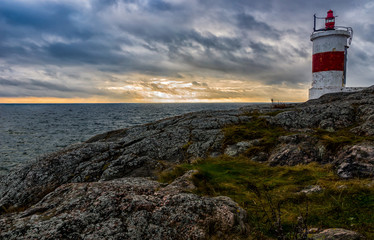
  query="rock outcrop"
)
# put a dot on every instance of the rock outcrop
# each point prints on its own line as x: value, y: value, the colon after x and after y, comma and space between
x: 297, y: 149
x: 126, y: 208
x: 356, y: 161
x: 240, y: 147
x: 110, y: 177
x: 337, y: 234
x: 135, y: 152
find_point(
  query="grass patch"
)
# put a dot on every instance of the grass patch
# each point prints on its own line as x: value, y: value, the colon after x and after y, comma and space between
x: 272, y: 193
x: 106, y: 165
x: 274, y: 113
x: 11, y: 209
x: 258, y: 128
x: 170, y: 175
x: 186, y: 146
x: 333, y: 141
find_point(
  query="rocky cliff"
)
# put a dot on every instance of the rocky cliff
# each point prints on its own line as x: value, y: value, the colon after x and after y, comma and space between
x: 106, y: 188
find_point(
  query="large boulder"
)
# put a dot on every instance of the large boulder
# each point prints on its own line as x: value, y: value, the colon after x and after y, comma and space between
x: 356, y: 161
x: 297, y: 149
x: 126, y: 208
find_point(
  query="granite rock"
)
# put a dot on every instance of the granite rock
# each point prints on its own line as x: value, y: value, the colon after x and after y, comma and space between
x: 356, y: 161
x: 126, y: 208
x: 297, y: 149
x: 241, y: 147
x: 337, y: 234
x: 312, y: 189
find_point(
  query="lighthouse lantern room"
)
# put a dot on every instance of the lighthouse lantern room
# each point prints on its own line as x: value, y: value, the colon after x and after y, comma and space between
x: 329, y: 64
x: 330, y: 20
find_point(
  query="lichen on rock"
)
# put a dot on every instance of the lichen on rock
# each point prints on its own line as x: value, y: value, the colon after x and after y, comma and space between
x: 126, y: 208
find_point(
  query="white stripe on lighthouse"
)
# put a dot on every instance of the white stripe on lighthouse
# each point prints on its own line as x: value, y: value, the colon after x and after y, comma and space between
x: 329, y: 41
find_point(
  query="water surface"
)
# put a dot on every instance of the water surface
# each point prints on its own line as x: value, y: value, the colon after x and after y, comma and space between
x: 28, y: 131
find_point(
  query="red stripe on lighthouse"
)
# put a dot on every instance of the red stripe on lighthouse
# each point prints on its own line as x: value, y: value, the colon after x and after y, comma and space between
x: 328, y: 61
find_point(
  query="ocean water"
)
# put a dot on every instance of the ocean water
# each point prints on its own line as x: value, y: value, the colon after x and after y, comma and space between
x: 28, y: 131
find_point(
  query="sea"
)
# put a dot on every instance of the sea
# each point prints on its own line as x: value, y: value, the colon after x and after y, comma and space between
x: 29, y: 131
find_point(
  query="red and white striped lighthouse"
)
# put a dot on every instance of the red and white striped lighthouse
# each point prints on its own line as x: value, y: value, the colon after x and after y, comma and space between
x: 330, y: 46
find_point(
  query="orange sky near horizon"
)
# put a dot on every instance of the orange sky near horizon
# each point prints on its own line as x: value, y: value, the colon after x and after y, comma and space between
x: 41, y: 100
x: 163, y: 90
x: 47, y: 100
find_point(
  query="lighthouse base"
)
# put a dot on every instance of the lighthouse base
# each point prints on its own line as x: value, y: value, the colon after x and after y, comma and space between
x: 315, y: 93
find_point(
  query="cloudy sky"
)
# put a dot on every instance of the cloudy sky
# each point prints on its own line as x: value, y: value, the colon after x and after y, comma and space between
x: 170, y: 50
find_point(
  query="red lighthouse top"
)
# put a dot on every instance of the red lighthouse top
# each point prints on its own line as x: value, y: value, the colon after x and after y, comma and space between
x: 330, y: 20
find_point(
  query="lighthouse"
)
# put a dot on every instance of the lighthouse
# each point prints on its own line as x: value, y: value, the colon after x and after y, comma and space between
x: 329, y: 63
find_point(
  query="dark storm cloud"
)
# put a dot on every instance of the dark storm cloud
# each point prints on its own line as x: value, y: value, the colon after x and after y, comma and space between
x: 33, y: 87
x: 43, y: 17
x: 266, y: 41
x: 33, y: 84
x: 248, y: 22
x: 90, y: 53
x: 368, y: 32
x: 103, y: 48
x: 183, y: 38
x: 160, y: 5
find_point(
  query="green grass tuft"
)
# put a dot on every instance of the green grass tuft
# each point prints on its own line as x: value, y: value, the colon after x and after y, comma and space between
x: 258, y: 128
x: 334, y: 141
x: 170, y: 175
